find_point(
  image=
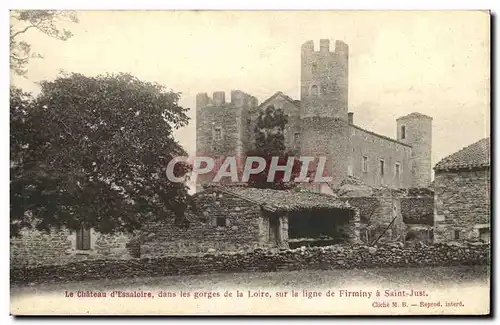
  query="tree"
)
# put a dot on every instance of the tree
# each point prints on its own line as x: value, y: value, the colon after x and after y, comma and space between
x: 270, y: 142
x: 92, y: 152
x: 44, y: 21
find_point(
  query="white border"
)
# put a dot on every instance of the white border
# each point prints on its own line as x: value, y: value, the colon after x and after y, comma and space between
x: 199, y: 4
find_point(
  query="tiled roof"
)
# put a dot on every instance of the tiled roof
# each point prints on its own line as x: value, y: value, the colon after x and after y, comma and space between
x: 473, y: 156
x: 284, y: 200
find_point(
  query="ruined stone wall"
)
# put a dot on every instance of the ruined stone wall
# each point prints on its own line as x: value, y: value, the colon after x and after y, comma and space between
x: 375, y: 148
x: 245, y: 228
x: 59, y: 247
x: 418, y: 210
x: 320, y: 258
x: 462, y: 201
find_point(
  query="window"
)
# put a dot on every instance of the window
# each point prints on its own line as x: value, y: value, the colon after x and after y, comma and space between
x: 221, y: 222
x: 456, y: 234
x: 314, y: 90
x: 484, y: 234
x: 381, y: 167
x: 218, y: 134
x: 397, y: 171
x: 314, y: 68
x: 365, y: 164
x: 83, y: 239
x: 296, y: 137
x: 403, y: 132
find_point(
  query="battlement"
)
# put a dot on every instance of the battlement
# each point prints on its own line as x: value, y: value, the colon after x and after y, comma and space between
x: 341, y: 48
x: 238, y: 98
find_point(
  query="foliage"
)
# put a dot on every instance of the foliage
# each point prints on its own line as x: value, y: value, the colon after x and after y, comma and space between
x: 92, y: 152
x: 44, y: 21
x: 270, y: 142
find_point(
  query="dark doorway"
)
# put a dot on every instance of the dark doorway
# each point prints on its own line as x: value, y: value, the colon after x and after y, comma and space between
x: 318, y: 227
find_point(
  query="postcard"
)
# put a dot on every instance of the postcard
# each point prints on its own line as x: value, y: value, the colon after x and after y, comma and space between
x: 250, y: 162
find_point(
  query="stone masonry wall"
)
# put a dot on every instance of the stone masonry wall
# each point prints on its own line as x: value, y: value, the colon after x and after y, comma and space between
x: 59, y: 247
x: 377, y: 211
x: 245, y: 228
x: 462, y: 201
x: 418, y: 210
x: 319, y: 258
x: 375, y: 147
x: 229, y: 117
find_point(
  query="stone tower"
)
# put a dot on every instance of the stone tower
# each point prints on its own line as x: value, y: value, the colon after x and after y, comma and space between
x: 323, y: 111
x: 221, y: 128
x: 415, y: 129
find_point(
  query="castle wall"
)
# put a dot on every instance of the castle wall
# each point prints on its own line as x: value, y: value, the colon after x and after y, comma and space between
x: 462, y: 203
x: 375, y: 148
x: 418, y: 134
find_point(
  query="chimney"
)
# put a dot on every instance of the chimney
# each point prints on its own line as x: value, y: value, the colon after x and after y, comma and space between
x: 350, y: 117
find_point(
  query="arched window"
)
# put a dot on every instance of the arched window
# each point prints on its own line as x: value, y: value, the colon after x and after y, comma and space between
x: 314, y: 90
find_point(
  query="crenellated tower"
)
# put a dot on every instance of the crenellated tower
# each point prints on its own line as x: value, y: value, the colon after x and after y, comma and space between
x: 221, y: 127
x: 324, y: 105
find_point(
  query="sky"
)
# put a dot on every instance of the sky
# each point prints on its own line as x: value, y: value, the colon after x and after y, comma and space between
x: 435, y: 63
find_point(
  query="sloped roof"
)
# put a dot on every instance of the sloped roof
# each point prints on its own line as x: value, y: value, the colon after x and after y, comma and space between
x: 472, y: 156
x: 279, y: 93
x: 284, y: 200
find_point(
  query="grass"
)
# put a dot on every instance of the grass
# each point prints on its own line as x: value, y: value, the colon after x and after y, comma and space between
x: 392, y: 277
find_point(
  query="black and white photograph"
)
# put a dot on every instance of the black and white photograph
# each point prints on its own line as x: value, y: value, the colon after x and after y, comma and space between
x: 201, y: 162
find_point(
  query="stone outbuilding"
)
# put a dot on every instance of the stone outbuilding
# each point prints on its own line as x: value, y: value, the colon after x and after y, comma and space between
x: 240, y: 218
x: 390, y: 215
x: 462, y: 190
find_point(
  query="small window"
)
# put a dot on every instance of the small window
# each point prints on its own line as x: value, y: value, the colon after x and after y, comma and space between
x: 314, y: 68
x: 314, y: 90
x: 218, y: 134
x: 296, y: 137
x: 365, y: 164
x: 403, y: 132
x: 83, y: 239
x: 221, y: 222
x: 397, y: 172
x: 381, y: 167
x: 484, y: 234
x: 456, y: 234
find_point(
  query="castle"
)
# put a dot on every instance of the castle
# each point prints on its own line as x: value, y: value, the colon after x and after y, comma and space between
x: 320, y: 125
